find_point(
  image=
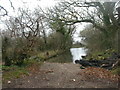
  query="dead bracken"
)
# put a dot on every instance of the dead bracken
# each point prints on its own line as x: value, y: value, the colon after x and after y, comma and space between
x: 99, y: 73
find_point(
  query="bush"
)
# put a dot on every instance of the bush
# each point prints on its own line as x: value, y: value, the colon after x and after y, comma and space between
x: 59, y: 41
x: 97, y: 41
x: 13, y: 51
x: 116, y: 70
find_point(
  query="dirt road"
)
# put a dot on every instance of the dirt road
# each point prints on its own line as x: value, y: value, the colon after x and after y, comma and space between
x: 56, y: 75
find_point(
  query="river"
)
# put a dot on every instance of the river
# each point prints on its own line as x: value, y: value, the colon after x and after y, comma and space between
x: 77, y: 53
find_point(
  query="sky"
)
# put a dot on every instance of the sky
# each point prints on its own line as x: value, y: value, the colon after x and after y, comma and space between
x: 27, y: 4
x: 33, y: 4
x: 23, y: 3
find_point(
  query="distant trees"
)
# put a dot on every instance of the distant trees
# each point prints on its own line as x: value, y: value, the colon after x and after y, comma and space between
x: 93, y: 39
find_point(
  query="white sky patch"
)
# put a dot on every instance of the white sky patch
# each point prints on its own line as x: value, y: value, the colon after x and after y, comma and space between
x: 31, y: 4
x: 79, y: 27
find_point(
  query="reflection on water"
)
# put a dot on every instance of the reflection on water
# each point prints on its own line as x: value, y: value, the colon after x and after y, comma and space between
x: 77, y: 53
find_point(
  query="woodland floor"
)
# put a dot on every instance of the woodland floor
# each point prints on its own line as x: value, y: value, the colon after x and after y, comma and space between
x: 65, y: 75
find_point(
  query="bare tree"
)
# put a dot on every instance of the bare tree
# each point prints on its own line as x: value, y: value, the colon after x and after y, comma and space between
x: 28, y: 25
x: 3, y: 11
x: 99, y: 14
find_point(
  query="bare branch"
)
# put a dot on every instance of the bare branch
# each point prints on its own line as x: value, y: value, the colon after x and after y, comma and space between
x: 11, y: 4
x: 2, y: 8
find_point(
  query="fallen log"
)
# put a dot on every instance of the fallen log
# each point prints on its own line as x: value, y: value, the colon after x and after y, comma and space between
x: 107, y: 64
x: 49, y: 57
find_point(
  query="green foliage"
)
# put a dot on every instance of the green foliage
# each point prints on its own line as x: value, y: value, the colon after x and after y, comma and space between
x: 13, y: 71
x: 62, y: 33
x: 100, y: 55
x: 13, y: 51
x: 5, y: 51
x: 59, y: 41
x: 101, y: 36
x: 116, y: 70
x: 10, y: 72
x: 96, y: 41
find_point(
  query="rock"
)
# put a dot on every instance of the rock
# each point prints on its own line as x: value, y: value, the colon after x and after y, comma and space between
x: 116, y: 64
x: 83, y: 63
x: 82, y: 67
x: 73, y: 80
x: 9, y: 82
x: 49, y: 71
x: 83, y: 57
x: 99, y: 55
x: 35, y: 57
x: 96, y: 63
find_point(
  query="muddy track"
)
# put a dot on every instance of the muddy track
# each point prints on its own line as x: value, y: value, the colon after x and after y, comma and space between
x: 56, y: 75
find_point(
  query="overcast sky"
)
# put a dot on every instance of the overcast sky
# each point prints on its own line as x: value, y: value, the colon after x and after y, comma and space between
x: 26, y: 4
x: 33, y: 4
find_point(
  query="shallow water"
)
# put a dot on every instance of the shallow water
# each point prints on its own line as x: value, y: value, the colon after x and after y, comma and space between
x: 77, y: 53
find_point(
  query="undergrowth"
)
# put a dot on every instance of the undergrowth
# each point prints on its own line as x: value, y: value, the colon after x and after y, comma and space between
x: 13, y: 71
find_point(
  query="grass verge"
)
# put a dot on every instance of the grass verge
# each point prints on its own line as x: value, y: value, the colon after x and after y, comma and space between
x: 13, y: 72
x: 116, y: 71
